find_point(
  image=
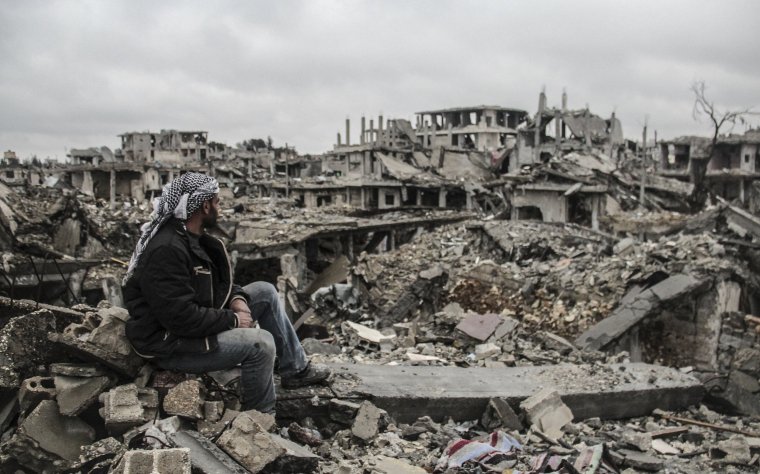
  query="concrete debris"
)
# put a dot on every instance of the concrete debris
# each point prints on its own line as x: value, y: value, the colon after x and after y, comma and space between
x: 369, y: 421
x: 546, y: 412
x: 127, y: 406
x: 249, y: 443
x: 187, y: 400
x: 446, y: 281
x: 168, y: 461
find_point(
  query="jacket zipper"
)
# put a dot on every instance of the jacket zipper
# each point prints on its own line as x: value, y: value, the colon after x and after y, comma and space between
x: 229, y: 267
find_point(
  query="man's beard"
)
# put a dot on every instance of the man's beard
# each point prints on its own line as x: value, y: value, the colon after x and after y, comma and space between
x: 210, y: 220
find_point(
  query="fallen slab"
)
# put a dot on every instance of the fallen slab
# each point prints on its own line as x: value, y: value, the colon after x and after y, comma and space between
x: 608, y: 392
x: 635, y: 309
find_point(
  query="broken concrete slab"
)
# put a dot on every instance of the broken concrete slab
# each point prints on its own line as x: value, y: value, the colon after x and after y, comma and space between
x: 343, y: 411
x: 387, y: 465
x: 642, y: 461
x: 126, y: 406
x: 76, y: 394
x: 249, y: 444
x: 205, y: 456
x: 164, y: 461
x: 98, y: 456
x: 77, y: 370
x: 186, y: 400
x: 47, y: 440
x: 295, y: 458
x: 546, y: 412
x: 479, y: 326
x: 610, y: 392
x: 637, y: 308
x: 127, y: 366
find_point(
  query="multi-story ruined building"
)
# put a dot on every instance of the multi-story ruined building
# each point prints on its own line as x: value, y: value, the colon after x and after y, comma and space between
x: 732, y: 171
x: 483, y: 127
x: 165, y: 146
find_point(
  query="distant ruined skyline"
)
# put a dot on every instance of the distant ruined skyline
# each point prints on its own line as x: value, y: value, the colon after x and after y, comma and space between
x: 77, y: 73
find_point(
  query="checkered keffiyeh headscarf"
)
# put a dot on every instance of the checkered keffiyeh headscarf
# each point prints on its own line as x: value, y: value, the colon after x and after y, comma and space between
x: 180, y: 198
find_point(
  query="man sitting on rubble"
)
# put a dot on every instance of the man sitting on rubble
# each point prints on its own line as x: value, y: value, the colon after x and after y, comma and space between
x: 187, y: 315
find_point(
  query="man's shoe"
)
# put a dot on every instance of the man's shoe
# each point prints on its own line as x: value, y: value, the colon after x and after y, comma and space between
x: 311, y: 375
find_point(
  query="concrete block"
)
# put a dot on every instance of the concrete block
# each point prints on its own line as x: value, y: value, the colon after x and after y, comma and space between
x: 369, y: 421
x: 249, y: 444
x: 157, y: 461
x: 75, y: 394
x: 35, y: 389
x: 367, y: 338
x: 98, y: 456
x: 484, y: 351
x: 205, y: 456
x: 499, y: 414
x: 212, y: 429
x: 126, y: 406
x: 295, y: 458
x: 546, y: 412
x: 47, y: 440
x: 186, y: 400
x: 479, y: 326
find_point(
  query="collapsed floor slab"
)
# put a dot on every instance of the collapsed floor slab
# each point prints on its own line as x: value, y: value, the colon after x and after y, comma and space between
x: 608, y: 392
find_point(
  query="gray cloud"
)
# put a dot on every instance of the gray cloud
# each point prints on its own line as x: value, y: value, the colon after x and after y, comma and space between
x: 77, y: 73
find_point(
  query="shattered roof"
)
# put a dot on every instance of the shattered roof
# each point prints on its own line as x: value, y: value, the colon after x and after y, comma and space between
x: 473, y: 109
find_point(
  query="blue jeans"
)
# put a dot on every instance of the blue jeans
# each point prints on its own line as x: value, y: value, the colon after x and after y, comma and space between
x: 253, y: 349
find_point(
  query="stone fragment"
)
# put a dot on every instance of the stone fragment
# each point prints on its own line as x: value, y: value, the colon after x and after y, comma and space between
x: 557, y: 343
x: 747, y: 360
x: 295, y: 460
x: 387, y: 465
x: 49, y: 441
x: 75, y: 394
x: 343, y: 411
x: 663, y: 447
x: 369, y: 421
x: 499, y: 414
x: 205, y: 456
x: 642, y: 461
x: 110, y: 333
x: 186, y: 400
x: 126, y: 406
x: 35, y: 389
x: 505, y: 328
x: 9, y: 409
x: 421, y: 359
x: 249, y: 444
x: 366, y: 338
x: 483, y: 351
x: 741, y: 393
x: 160, y: 461
x: 546, y: 412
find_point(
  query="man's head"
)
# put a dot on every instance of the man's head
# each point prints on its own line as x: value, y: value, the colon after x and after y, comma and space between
x: 209, y: 212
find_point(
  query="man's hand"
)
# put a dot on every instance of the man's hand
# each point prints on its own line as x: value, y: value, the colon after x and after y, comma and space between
x: 244, y: 320
x: 243, y: 313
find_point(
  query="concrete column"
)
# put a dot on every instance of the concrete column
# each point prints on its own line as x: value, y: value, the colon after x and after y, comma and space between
x: 380, y: 127
x: 595, y: 210
x: 442, y: 198
x: 371, y: 137
x: 348, y: 131
x: 419, y: 197
x: 469, y: 201
x: 364, y: 201
x: 113, y: 189
x: 364, y: 130
x: 338, y: 139
x: 741, y: 191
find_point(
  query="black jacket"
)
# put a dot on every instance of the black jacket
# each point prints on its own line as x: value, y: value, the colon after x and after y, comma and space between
x: 177, y: 294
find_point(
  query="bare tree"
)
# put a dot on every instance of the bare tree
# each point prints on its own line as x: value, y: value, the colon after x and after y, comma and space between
x: 719, y: 118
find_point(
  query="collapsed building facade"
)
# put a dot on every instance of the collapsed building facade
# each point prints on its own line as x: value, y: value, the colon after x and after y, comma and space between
x: 483, y: 282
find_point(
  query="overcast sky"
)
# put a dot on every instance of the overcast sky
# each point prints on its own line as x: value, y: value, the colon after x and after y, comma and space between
x: 78, y: 73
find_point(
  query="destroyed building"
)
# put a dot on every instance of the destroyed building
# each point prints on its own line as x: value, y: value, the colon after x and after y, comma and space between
x: 732, y: 171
